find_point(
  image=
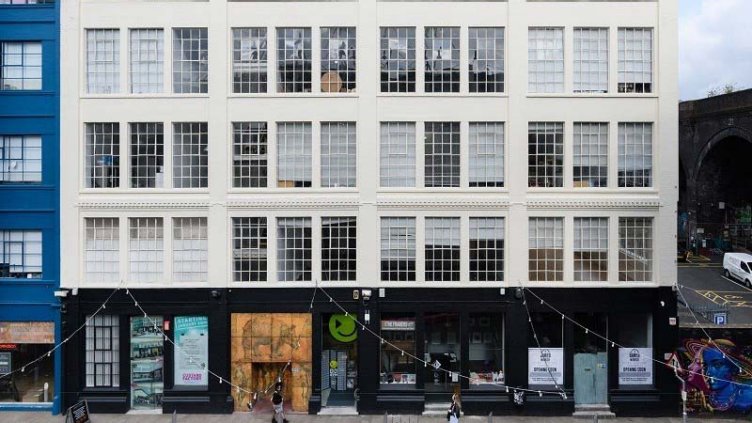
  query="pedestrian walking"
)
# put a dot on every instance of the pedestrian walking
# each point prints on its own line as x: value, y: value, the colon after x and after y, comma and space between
x: 453, y: 415
x: 278, y: 404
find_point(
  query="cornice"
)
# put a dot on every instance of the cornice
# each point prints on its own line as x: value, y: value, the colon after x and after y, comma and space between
x: 452, y: 204
x: 143, y: 205
x: 593, y: 204
x: 293, y: 204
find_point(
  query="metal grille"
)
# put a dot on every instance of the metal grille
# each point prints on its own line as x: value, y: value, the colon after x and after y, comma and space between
x: 442, y: 249
x: 442, y: 50
x: 294, y: 60
x: 397, y: 248
x: 338, y: 248
x: 147, y: 155
x: 146, y: 249
x: 397, y: 52
x: 442, y: 154
x: 294, y: 249
x: 591, y: 60
x: 486, y: 154
x: 147, y: 60
x: 250, y: 158
x: 635, y: 60
x: 103, y: 351
x: 249, y: 60
x: 21, y: 65
x: 591, y: 249
x: 102, y: 155
x: 294, y: 155
x: 635, y: 155
x: 338, y: 154
x: 635, y: 249
x: 545, y: 154
x: 190, y: 60
x: 20, y: 159
x: 546, y: 249
x: 546, y: 60
x: 249, y: 249
x: 338, y: 59
x: 103, y: 61
x: 486, y: 60
x: 20, y: 254
x: 102, y: 249
x: 590, y: 157
x: 486, y: 249
x: 190, y: 156
x: 190, y: 249
x: 397, y: 154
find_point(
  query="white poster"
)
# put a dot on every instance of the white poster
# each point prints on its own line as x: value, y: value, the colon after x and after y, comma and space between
x: 192, y: 351
x: 635, y: 366
x: 544, y: 365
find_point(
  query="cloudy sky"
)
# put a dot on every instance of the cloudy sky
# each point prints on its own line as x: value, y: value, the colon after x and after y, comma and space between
x: 715, y: 38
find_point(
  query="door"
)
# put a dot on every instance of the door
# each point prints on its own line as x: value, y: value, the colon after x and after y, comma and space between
x: 442, y: 351
x: 591, y: 360
x: 339, y: 360
x: 147, y: 359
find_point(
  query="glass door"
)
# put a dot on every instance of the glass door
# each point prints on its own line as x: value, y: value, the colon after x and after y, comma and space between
x: 339, y: 360
x: 147, y: 360
x: 442, y: 350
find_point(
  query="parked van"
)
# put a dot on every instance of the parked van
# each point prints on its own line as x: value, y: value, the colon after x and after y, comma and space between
x: 739, y: 267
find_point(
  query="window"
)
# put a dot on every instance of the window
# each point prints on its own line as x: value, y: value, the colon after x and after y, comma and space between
x: 103, y: 351
x: 545, y: 150
x: 338, y: 155
x: 546, y: 238
x: 635, y: 334
x: 249, y: 249
x: 103, y: 61
x: 338, y: 62
x: 635, y: 60
x: 442, y: 154
x: 147, y: 60
x: 636, y: 155
x: 20, y: 254
x: 27, y: 1
x: 397, y: 248
x: 20, y: 66
x: 486, y: 249
x: 397, y: 60
x: 249, y: 160
x: 486, y: 154
x: 486, y: 351
x: 442, y: 59
x: 146, y: 248
x: 190, y: 249
x: 102, y: 155
x: 338, y: 248
x: 591, y: 60
x: 397, y: 154
x: 20, y: 159
x: 147, y: 155
x: 294, y: 156
x: 442, y: 249
x: 546, y: 60
x: 486, y: 60
x: 190, y: 156
x: 102, y: 249
x: 590, y: 155
x: 398, y: 333
x: 591, y: 249
x: 546, y: 352
x: 249, y: 60
x: 635, y: 249
x: 293, y: 249
x: 294, y: 60
x: 190, y: 60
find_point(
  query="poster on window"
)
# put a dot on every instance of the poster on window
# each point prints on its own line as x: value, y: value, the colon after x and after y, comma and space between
x: 635, y: 366
x: 545, y: 366
x: 191, y: 351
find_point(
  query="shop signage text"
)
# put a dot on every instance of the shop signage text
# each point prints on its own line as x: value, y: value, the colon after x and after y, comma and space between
x: 27, y: 332
x: 406, y: 325
x: 545, y: 366
x: 635, y: 366
x: 192, y: 356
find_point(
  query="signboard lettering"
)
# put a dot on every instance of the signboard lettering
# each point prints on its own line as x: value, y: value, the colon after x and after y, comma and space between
x: 635, y: 366
x: 545, y: 366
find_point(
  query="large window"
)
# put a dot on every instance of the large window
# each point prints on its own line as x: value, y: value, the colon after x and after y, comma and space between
x: 20, y: 159
x: 545, y: 154
x: 21, y: 65
x: 590, y: 158
x: 397, y: 52
x: 635, y: 335
x: 486, y: 249
x: 442, y: 59
x: 103, y: 61
x: 546, y: 249
x: 102, y: 249
x: 486, y: 154
x: 397, y: 167
x: 146, y: 248
x: 294, y: 249
x: 190, y: 60
x: 486, y: 60
x: 147, y: 155
x: 102, y: 351
x: 635, y: 60
x: 545, y: 352
x: 338, y: 248
x: 486, y: 351
x: 20, y: 254
x: 397, y: 248
x: 591, y: 249
x: 398, y: 332
x: 102, y: 155
x: 442, y: 154
x: 249, y: 60
x: 294, y: 155
x: 190, y: 249
x: 591, y: 60
x: 635, y: 249
x: 442, y: 249
x: 338, y: 62
x: 249, y: 157
x: 190, y: 156
x: 545, y: 60
x: 294, y: 60
x: 636, y: 155
x: 338, y: 154
x: 249, y: 249
x: 147, y: 60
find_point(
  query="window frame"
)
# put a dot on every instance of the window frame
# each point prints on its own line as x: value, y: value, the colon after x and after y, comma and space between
x: 408, y: 227
x: 198, y: 80
x: 302, y: 255
x: 250, y: 136
x: 22, y: 145
x: 348, y: 84
x: 436, y: 38
x: 137, y: 256
x: 486, y: 170
x: 100, y: 250
x: 257, y: 225
x: 583, y: 243
x: 249, y: 35
x: 154, y: 77
x: 296, y: 147
x: 645, y: 180
x: 582, y: 80
x: 406, y: 82
x: 23, y: 67
x: 552, y: 232
x: 628, y: 225
x: 105, y: 137
x: 9, y: 243
x: 480, y: 253
x: 197, y: 248
x: 190, y: 143
x: 550, y: 162
x: 114, y: 362
x: 341, y: 266
x: 438, y: 267
x: 442, y: 155
x: 302, y: 77
x: 553, y: 83
x: 331, y: 157
x: 623, y: 73
x: 474, y: 85
x: 110, y: 66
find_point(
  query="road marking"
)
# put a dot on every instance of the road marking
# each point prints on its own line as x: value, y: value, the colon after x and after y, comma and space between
x: 736, y: 283
x: 730, y: 300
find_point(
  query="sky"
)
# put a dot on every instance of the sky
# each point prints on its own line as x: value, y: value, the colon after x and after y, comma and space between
x: 715, y: 45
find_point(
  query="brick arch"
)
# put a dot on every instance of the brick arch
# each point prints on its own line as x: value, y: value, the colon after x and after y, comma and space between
x: 718, y: 137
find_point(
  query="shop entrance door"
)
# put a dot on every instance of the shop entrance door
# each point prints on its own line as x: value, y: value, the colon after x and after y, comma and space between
x: 339, y: 361
x: 147, y: 359
x: 591, y: 361
x: 442, y: 351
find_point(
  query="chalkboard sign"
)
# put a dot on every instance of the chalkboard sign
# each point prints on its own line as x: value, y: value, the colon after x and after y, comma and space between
x: 5, y: 362
x: 78, y: 413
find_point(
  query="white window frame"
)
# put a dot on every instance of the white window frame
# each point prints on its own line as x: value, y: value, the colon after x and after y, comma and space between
x: 483, y: 60
x: 590, y: 146
x: 250, y: 56
x: 103, y: 61
x: 190, y: 155
x: 190, y: 75
x: 250, y: 160
x: 591, y: 60
x: 339, y: 156
x: 549, y: 234
x: 546, y: 60
x: 636, y: 236
x: 438, y: 43
x: 297, y: 260
x: 442, y: 168
x: 102, y: 351
x: 636, y: 152
x: 398, y: 242
x: 190, y: 249
x: 548, y: 170
x: 147, y: 60
x: 397, y: 63
x: 442, y: 239
x: 339, y: 75
x: 146, y: 249
x: 250, y: 248
x: 397, y: 155
x: 486, y: 158
x: 339, y: 248
x: 102, y: 249
x: 635, y: 60
x: 484, y: 230
x: 150, y: 137
x: 294, y: 155
x: 102, y: 168
x: 591, y: 249
x: 290, y: 54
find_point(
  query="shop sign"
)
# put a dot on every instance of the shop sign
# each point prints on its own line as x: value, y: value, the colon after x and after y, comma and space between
x: 27, y: 332
x: 545, y: 365
x: 79, y: 413
x: 192, y: 352
x: 635, y: 366
x: 8, y: 347
x: 406, y: 325
x: 343, y: 328
x: 5, y: 362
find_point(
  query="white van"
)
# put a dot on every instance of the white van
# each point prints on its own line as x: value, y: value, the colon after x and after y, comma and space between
x: 738, y: 266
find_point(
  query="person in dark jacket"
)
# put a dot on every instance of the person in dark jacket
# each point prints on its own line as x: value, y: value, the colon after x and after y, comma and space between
x: 453, y: 415
x: 278, y: 404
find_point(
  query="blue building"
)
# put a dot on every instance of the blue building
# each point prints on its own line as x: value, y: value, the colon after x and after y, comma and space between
x: 29, y: 204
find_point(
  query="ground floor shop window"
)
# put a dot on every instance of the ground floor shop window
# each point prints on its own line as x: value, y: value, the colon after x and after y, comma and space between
x: 398, y: 332
x: 545, y: 357
x: 191, y: 359
x: 147, y: 360
x: 442, y: 351
x: 635, y: 335
x: 20, y: 344
x: 103, y: 351
x: 486, y: 350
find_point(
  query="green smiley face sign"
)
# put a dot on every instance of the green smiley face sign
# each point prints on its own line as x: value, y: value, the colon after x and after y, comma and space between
x: 343, y: 328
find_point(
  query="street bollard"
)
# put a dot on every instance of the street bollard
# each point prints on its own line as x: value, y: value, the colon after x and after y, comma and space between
x: 175, y: 416
x: 490, y: 417
x: 46, y: 392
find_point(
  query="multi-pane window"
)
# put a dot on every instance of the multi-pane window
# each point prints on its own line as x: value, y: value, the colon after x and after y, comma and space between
x: 103, y: 351
x: 190, y: 60
x: 635, y: 249
x: 147, y: 155
x: 249, y: 60
x: 249, y: 159
x: 102, y: 61
x: 338, y: 61
x: 294, y: 155
x: 27, y: 1
x: 190, y: 156
x: 590, y: 158
x: 249, y: 249
x: 147, y: 60
x: 442, y: 154
x: 294, y: 248
x: 397, y: 52
x: 397, y: 154
x: 635, y: 155
x: 102, y: 249
x: 146, y: 248
x: 190, y: 249
x: 486, y: 60
x: 545, y: 60
x: 21, y: 65
x: 338, y: 155
x: 486, y: 249
x: 635, y: 60
x: 20, y: 254
x: 397, y: 248
x: 591, y: 249
x: 546, y: 249
x: 486, y: 154
x: 591, y: 60
x: 294, y: 60
x: 545, y: 154
x: 338, y: 248
x: 442, y: 54
x: 102, y: 155
x: 442, y: 249
x: 20, y: 159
